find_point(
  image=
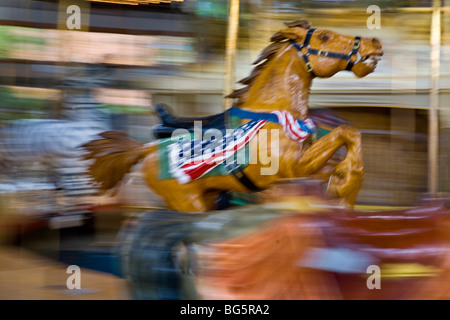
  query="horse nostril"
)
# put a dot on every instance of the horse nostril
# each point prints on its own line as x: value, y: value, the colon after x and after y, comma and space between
x: 376, y: 42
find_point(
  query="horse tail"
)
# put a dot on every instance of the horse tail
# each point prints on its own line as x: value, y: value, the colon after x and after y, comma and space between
x: 113, y: 155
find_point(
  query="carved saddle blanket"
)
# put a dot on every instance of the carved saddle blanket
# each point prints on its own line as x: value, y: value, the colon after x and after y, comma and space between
x: 193, y: 155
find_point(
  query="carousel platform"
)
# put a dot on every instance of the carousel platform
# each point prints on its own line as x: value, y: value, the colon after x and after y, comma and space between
x: 27, y: 276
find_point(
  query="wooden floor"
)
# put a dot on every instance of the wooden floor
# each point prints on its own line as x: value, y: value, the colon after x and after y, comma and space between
x: 25, y: 275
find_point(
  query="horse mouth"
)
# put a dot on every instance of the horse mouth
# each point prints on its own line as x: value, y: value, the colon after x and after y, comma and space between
x: 371, y: 60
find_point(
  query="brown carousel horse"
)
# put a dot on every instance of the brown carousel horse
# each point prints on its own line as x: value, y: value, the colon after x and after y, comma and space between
x: 281, y: 80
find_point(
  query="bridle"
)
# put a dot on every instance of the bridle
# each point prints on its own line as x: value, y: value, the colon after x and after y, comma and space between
x: 321, y: 53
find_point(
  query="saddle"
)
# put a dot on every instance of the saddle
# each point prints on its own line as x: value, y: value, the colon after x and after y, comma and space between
x: 169, y: 122
x: 222, y: 121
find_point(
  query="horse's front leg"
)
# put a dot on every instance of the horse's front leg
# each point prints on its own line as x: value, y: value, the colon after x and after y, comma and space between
x: 347, y: 178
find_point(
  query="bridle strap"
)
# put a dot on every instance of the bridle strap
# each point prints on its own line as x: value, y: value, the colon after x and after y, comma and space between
x: 355, y: 51
x: 321, y: 53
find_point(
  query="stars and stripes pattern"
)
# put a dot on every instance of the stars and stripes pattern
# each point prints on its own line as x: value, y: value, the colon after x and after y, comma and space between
x: 192, y: 159
x: 295, y: 129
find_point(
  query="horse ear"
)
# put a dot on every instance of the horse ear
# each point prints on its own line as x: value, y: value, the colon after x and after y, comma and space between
x: 300, y: 23
x: 284, y: 34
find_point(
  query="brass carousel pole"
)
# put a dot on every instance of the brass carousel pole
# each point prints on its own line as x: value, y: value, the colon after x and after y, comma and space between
x: 233, y: 25
x: 433, y: 118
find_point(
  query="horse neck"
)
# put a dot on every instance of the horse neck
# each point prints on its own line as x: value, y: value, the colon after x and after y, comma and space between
x: 283, y: 84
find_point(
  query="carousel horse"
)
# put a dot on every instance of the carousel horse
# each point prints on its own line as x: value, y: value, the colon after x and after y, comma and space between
x: 275, y: 97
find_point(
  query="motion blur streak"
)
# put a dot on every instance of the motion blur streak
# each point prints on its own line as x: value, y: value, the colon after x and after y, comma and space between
x: 60, y: 88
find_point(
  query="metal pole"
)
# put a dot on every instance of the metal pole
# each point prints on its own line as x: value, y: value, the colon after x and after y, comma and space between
x: 433, y: 118
x: 233, y: 25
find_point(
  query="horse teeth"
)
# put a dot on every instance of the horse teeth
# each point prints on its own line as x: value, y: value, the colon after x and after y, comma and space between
x: 370, y: 60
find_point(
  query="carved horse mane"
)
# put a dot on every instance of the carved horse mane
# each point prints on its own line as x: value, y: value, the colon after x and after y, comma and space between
x: 266, y: 55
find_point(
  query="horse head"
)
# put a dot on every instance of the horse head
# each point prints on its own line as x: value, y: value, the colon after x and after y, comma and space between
x: 283, y: 72
x: 326, y: 52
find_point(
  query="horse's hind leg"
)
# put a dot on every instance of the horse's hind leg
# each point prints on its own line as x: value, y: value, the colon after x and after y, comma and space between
x: 186, y: 201
x: 184, y: 198
x: 347, y: 178
x: 197, y: 200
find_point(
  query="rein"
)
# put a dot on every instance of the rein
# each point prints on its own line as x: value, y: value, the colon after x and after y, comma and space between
x: 321, y: 53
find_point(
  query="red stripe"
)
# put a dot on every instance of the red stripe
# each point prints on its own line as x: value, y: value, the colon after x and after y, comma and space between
x: 288, y: 126
x: 292, y: 128
x: 197, y: 172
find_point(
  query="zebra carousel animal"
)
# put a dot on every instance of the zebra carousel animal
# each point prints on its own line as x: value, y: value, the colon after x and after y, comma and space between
x: 37, y: 152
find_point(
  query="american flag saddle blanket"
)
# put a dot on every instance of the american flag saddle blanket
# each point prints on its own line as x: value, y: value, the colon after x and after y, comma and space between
x: 188, y: 156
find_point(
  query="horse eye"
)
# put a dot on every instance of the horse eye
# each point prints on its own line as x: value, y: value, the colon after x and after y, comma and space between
x: 324, y: 37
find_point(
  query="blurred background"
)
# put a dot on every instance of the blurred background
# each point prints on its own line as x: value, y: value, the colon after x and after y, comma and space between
x: 59, y: 87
